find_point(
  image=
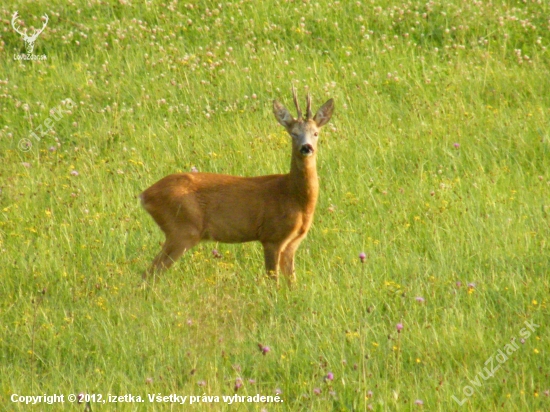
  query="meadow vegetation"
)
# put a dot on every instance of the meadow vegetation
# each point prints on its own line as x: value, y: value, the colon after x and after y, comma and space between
x: 435, y: 165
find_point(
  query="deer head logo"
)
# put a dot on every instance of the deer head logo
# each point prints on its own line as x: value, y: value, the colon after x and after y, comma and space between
x: 29, y: 40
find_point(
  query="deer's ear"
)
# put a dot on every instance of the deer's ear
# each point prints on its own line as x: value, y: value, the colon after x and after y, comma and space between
x: 282, y: 115
x: 324, y: 113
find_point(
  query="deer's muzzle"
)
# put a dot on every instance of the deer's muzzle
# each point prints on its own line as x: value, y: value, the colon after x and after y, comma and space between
x: 306, y: 150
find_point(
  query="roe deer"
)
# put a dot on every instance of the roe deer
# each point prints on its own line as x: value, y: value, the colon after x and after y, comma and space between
x: 276, y: 210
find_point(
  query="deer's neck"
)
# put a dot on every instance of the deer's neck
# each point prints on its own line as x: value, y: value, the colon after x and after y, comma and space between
x: 304, y: 183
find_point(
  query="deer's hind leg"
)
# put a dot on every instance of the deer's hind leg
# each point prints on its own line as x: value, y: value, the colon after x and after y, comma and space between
x: 171, y: 251
x: 180, y: 225
x: 174, y: 246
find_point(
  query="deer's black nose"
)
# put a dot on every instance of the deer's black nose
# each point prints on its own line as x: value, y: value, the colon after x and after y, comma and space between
x: 306, y: 150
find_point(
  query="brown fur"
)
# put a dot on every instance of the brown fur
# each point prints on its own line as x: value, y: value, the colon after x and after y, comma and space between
x: 276, y: 210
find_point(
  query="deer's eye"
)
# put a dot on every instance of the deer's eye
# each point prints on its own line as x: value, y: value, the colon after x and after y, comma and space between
x: 315, y: 134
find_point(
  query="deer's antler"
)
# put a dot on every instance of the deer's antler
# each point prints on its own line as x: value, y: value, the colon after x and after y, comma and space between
x: 13, y: 24
x: 296, y: 103
x: 308, y: 109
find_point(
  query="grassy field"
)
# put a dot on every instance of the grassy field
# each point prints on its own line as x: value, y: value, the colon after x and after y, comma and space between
x: 435, y: 165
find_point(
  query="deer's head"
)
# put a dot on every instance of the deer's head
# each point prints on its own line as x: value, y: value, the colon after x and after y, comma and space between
x: 29, y: 40
x: 304, y: 132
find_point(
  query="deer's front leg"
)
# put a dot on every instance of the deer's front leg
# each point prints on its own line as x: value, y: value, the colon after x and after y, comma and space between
x: 272, y: 253
x: 287, y: 260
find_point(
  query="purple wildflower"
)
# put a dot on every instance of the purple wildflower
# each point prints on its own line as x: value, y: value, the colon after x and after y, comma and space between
x: 238, y: 384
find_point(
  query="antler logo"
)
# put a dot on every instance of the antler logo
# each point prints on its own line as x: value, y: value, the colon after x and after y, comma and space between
x: 29, y: 40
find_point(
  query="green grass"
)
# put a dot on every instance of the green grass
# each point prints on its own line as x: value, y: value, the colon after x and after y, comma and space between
x: 161, y: 88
